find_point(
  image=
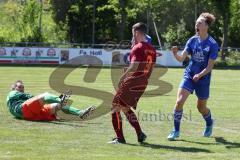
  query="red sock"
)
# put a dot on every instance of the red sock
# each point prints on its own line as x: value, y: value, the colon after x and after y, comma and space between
x: 132, y: 118
x: 117, y: 124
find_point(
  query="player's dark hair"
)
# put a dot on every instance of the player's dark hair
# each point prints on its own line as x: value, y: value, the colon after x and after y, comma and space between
x: 140, y: 27
x: 13, y: 86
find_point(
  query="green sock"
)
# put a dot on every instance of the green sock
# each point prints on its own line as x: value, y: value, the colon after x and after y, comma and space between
x: 71, y: 110
x: 50, y: 98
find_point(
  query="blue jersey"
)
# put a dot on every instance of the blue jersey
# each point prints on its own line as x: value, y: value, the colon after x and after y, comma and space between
x: 149, y: 39
x: 201, y: 52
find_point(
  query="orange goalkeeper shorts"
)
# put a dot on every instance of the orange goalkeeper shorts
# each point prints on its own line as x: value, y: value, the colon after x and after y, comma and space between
x: 34, y: 110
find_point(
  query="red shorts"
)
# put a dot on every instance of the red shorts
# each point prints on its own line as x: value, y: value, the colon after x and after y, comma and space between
x: 130, y: 91
x: 34, y: 110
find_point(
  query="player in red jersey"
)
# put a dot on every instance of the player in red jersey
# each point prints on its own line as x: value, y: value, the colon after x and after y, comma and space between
x: 133, y: 83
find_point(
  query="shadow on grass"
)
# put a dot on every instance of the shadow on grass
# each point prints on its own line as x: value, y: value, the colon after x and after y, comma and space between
x: 64, y: 123
x: 219, y: 140
x: 57, y: 122
x: 70, y: 123
x: 202, y: 143
x: 227, y: 144
x: 73, y: 123
x: 174, y: 148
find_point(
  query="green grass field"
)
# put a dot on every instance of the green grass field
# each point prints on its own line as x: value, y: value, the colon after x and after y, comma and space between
x: 22, y: 140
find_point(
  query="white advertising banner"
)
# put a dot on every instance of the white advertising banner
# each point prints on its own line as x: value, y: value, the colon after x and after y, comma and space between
x: 77, y: 56
x: 85, y: 56
x: 164, y: 58
x: 29, y: 55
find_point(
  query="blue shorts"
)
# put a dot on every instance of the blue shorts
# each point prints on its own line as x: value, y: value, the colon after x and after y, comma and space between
x: 201, y: 88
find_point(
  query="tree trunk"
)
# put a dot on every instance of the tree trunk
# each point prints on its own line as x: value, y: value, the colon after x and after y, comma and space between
x: 225, y: 37
x: 123, y: 13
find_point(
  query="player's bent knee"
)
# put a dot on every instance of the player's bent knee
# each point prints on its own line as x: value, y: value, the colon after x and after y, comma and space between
x: 44, y: 94
x: 57, y: 106
x: 54, y: 107
x: 41, y: 96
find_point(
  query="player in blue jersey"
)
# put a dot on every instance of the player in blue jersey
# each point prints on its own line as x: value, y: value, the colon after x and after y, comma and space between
x: 203, y: 50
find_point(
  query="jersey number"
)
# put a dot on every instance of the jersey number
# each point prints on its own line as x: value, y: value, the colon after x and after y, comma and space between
x: 149, y: 62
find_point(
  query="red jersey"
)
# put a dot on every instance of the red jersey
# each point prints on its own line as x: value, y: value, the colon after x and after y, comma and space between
x: 144, y: 53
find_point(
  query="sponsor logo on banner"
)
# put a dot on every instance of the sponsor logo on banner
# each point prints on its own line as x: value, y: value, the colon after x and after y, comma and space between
x: 14, y: 52
x: 2, y: 51
x: 96, y: 53
x: 39, y: 53
x: 26, y: 52
x: 64, y: 55
x: 91, y: 52
x: 119, y: 58
x: 51, y: 52
x: 82, y: 52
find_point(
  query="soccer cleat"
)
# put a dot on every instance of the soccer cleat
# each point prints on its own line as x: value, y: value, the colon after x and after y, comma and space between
x: 142, y: 137
x: 173, y: 135
x: 208, y: 130
x: 88, y: 111
x: 65, y: 97
x: 61, y: 95
x: 117, y: 141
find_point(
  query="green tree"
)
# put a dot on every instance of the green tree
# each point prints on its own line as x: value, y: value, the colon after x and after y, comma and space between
x: 29, y: 25
x: 9, y: 16
x: 176, y: 35
x: 78, y: 16
x: 234, y: 38
x: 123, y: 13
x: 60, y: 10
x: 223, y: 8
x: 28, y: 20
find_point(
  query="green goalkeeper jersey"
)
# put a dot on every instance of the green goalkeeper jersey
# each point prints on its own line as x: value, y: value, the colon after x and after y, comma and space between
x: 15, y: 100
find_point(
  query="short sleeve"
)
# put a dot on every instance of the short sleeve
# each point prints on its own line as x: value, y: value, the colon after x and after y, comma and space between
x: 188, y: 46
x: 214, y: 51
x: 136, y: 55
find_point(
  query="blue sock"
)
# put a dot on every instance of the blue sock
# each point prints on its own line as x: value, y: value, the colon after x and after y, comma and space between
x: 177, y: 119
x: 208, y: 119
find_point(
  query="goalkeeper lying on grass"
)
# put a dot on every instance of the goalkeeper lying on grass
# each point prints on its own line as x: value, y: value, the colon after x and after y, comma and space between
x: 42, y: 107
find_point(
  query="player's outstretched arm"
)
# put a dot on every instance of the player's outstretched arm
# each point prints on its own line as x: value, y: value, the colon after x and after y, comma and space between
x: 181, y: 57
